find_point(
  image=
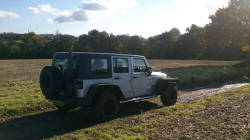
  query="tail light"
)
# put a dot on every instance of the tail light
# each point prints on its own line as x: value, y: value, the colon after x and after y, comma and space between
x: 79, y: 102
x: 79, y: 84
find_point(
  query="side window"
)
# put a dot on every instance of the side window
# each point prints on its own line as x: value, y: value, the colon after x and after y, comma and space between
x: 120, y: 65
x: 139, y: 65
x: 99, y: 66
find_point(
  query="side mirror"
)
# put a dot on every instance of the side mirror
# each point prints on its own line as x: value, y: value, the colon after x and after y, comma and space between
x: 148, y: 70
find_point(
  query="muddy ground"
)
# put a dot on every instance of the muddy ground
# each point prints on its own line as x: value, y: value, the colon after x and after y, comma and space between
x: 41, y: 125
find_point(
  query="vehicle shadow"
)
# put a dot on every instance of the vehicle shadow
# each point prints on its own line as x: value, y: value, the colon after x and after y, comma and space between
x: 49, y: 124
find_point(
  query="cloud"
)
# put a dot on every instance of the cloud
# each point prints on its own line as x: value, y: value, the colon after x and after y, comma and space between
x: 74, y: 16
x: 50, y: 20
x: 46, y: 8
x: 88, y: 5
x: 88, y: 10
x: 8, y: 14
x: 60, y: 16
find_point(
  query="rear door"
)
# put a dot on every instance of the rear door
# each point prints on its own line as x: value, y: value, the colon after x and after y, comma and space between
x: 122, y: 74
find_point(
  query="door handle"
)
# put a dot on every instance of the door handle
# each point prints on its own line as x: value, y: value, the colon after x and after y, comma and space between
x: 117, y: 78
x: 134, y: 77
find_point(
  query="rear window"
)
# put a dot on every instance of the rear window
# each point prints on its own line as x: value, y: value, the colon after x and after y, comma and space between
x: 99, y: 66
x: 61, y: 61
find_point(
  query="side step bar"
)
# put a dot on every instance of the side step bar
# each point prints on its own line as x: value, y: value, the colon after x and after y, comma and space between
x: 137, y: 99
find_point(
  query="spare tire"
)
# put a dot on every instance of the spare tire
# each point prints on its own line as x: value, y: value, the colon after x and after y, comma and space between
x: 51, y: 82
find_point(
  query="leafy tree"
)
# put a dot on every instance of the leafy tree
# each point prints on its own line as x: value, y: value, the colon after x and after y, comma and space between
x: 14, y: 51
x: 60, y: 43
x: 228, y: 28
x: 246, y: 48
x: 192, y: 45
x: 4, y: 49
x: 163, y: 46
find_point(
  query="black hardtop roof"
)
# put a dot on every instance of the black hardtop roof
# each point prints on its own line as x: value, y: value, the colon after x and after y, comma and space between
x: 103, y: 54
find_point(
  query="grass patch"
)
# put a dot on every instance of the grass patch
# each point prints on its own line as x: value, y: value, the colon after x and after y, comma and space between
x: 191, y: 77
x: 137, y: 126
x: 21, y: 96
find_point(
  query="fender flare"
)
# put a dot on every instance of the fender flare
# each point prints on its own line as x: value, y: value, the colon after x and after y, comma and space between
x: 96, y: 89
x: 162, y: 84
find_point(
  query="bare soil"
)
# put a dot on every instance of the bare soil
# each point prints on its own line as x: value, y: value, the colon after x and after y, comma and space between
x: 229, y: 120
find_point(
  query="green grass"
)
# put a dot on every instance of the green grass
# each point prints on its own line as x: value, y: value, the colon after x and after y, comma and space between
x: 190, y: 77
x: 21, y: 96
x: 138, y: 126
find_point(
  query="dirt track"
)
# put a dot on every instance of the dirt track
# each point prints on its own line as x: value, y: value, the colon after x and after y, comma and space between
x: 192, y: 94
x: 195, y: 93
x: 47, y: 124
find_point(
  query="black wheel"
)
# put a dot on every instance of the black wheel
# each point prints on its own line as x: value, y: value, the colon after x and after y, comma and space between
x: 169, y: 97
x: 106, y: 107
x: 51, y: 82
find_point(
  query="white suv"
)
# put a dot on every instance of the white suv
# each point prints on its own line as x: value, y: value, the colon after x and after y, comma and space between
x: 102, y: 81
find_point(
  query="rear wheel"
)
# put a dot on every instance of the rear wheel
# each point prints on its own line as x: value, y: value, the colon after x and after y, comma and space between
x: 169, y: 96
x: 106, y: 107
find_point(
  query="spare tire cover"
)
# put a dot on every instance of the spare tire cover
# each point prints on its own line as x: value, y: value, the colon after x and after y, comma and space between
x: 51, y: 82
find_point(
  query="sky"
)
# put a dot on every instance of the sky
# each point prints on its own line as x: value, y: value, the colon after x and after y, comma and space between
x: 133, y: 17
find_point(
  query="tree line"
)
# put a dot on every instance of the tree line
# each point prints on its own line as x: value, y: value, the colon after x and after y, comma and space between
x: 222, y: 39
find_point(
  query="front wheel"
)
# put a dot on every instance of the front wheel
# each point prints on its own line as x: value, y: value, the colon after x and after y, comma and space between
x: 169, y: 96
x: 106, y: 107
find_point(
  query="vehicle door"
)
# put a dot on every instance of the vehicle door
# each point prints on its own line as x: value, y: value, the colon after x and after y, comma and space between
x: 140, y: 79
x: 122, y: 74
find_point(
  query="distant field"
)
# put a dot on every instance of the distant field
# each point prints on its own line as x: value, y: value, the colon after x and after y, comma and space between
x: 30, y: 69
x: 24, y: 69
x: 157, y: 64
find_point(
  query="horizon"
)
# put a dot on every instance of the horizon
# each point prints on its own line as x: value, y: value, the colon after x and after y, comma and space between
x: 118, y: 17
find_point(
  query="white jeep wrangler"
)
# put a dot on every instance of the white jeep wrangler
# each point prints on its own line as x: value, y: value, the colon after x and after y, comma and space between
x: 102, y: 81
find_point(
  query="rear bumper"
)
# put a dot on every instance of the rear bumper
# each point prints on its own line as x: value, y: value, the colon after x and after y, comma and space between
x: 73, y: 102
